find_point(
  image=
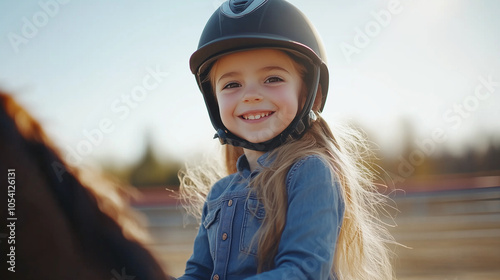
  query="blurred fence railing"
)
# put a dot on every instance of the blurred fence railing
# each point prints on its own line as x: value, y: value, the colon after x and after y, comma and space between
x: 449, y: 233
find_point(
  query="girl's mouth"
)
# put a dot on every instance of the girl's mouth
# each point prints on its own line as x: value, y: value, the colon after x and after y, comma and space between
x: 256, y: 116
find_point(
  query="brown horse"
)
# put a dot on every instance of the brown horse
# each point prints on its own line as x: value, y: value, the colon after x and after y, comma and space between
x: 54, y: 225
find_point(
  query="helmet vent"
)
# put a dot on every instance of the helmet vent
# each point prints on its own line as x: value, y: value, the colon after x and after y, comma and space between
x: 238, y: 6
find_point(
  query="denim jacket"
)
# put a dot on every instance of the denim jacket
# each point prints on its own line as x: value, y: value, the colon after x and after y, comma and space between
x: 223, y: 248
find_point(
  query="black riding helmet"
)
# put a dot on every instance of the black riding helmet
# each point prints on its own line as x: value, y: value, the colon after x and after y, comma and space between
x: 252, y: 24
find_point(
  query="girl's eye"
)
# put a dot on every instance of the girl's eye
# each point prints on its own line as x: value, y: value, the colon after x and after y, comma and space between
x: 231, y: 85
x: 274, y: 80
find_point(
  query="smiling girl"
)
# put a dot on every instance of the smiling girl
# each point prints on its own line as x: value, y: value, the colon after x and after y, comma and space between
x: 296, y: 201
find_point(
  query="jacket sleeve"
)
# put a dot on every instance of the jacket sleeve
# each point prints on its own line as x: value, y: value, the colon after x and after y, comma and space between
x: 314, y: 216
x: 200, y: 264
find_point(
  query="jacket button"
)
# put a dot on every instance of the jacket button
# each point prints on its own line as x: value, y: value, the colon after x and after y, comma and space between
x: 216, y: 277
x: 224, y: 236
x: 230, y: 202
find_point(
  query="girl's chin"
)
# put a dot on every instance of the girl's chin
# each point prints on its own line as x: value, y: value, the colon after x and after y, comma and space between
x: 259, y: 139
x: 259, y: 136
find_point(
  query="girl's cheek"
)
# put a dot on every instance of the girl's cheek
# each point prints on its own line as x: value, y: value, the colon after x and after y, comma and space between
x: 228, y: 98
x: 224, y: 104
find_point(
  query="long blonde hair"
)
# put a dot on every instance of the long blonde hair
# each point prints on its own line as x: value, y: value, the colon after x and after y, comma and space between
x: 362, y: 247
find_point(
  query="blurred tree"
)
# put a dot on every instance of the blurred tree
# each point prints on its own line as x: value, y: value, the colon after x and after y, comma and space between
x: 149, y: 171
x: 416, y: 161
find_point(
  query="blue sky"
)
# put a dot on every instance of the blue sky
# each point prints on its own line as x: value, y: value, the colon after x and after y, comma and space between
x: 99, y: 75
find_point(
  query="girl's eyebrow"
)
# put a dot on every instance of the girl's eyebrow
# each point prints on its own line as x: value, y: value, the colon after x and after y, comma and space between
x: 264, y: 69
x: 269, y: 68
x: 228, y: 74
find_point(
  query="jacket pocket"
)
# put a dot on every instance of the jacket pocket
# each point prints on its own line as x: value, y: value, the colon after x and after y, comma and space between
x: 252, y: 220
x: 211, y: 225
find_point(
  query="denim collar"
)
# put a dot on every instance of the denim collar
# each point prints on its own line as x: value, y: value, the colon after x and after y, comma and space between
x: 243, y: 166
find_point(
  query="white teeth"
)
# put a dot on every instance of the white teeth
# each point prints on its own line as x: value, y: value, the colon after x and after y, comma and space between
x: 256, y: 117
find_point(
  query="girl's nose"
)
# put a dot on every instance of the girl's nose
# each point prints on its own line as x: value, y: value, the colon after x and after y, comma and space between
x: 252, y: 95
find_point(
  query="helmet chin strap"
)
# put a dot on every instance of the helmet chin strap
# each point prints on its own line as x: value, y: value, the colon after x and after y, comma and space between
x: 294, y: 131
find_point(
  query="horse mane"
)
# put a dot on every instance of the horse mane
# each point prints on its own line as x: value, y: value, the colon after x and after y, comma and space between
x: 71, y: 224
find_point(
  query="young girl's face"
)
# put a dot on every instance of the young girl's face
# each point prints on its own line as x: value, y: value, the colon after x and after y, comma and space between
x: 257, y: 92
